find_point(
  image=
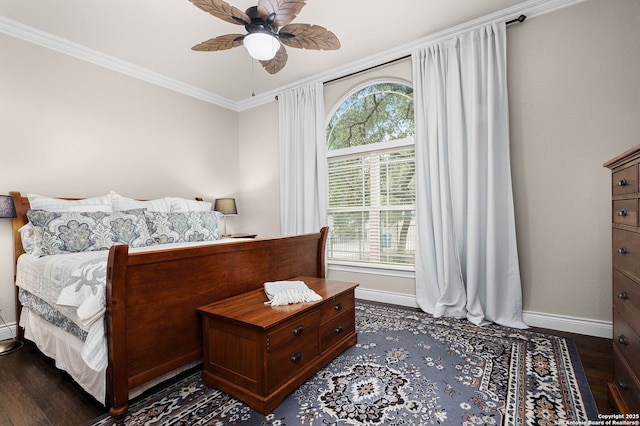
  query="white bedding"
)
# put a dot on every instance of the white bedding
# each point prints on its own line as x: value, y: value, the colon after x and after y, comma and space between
x: 74, y: 284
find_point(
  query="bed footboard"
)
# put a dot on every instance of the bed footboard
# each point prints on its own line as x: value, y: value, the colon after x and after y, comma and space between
x: 152, y: 323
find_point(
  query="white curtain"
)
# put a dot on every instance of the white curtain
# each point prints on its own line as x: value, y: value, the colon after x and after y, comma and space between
x: 303, y: 160
x: 466, y: 258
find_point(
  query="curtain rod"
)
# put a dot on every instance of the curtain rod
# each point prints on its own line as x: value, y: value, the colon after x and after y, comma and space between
x: 519, y: 19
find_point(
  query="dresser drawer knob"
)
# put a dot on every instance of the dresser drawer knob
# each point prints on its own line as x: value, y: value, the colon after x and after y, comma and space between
x: 296, y: 357
x: 339, y: 329
x: 623, y: 340
x: 338, y: 307
x: 298, y: 330
x: 623, y: 295
x: 622, y: 182
x: 622, y: 250
x: 622, y: 213
x: 622, y: 385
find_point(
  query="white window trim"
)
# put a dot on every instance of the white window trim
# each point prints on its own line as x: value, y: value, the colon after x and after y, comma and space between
x: 400, y: 271
x: 372, y: 147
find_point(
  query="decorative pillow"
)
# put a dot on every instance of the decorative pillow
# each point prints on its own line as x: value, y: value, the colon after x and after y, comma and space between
x: 95, y: 204
x: 178, y: 227
x: 70, y: 232
x: 27, y: 236
x: 121, y: 203
x: 183, y: 205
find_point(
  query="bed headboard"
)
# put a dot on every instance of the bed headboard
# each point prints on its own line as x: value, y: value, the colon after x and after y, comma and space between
x: 22, y: 205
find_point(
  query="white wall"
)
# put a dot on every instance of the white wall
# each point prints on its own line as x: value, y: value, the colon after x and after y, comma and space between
x: 71, y: 128
x: 259, y: 166
x: 574, y: 92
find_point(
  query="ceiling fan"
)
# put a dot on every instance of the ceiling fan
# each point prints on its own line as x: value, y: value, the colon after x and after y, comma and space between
x: 268, y: 28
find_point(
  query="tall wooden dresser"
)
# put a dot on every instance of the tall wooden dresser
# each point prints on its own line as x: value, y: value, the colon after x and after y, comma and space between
x: 624, y: 391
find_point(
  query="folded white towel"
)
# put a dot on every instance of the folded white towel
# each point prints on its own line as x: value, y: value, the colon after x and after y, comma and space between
x: 282, y: 293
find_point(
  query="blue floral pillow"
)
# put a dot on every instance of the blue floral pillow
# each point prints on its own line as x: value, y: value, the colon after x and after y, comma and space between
x: 72, y: 232
x: 179, y: 227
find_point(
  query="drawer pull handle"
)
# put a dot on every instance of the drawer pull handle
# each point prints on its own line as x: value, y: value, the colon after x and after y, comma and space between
x: 622, y: 213
x: 622, y: 385
x: 338, y: 307
x: 622, y: 250
x: 298, y: 330
x: 339, y: 329
x: 623, y: 340
x: 622, y: 182
x: 296, y: 357
x: 623, y: 295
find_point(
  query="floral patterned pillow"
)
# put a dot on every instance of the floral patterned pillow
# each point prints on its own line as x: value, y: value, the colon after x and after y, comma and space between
x: 178, y: 227
x: 71, y: 232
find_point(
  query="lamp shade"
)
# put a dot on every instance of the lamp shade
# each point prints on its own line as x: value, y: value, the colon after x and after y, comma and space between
x: 7, y: 209
x: 261, y: 46
x: 225, y: 206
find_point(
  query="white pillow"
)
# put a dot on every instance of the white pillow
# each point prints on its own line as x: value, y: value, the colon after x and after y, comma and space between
x: 121, y: 203
x: 183, y: 205
x: 27, y: 236
x: 95, y: 204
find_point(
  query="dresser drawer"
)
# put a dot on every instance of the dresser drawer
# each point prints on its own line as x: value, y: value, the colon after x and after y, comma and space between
x: 287, y: 361
x: 625, y: 212
x: 333, y: 308
x: 626, y: 251
x: 627, y: 341
x: 626, y: 383
x: 294, y: 329
x: 624, y: 181
x: 626, y: 299
x: 337, y: 328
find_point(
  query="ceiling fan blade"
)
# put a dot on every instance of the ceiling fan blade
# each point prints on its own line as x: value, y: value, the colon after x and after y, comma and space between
x: 274, y: 65
x: 284, y: 11
x: 223, y: 10
x: 224, y: 42
x: 307, y: 36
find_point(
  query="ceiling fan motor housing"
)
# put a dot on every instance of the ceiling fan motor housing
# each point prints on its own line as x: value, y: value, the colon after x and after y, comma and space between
x: 260, y: 25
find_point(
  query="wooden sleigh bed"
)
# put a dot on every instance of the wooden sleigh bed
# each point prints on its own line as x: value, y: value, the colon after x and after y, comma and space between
x: 152, y: 327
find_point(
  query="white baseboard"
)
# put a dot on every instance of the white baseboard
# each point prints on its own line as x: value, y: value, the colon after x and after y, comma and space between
x: 589, y: 327
x: 5, y: 333
x: 408, y: 300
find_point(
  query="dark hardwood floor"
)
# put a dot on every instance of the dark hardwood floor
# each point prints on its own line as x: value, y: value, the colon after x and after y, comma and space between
x: 34, y: 392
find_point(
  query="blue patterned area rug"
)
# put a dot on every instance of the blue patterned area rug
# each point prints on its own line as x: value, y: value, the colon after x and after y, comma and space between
x: 408, y: 368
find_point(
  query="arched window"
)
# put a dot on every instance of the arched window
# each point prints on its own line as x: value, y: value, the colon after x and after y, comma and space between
x: 371, y: 164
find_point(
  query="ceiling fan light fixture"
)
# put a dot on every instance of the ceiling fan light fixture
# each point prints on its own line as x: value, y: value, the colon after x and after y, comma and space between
x: 262, y: 46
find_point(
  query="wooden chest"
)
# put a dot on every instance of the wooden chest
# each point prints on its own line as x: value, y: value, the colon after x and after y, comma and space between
x: 260, y: 354
x: 624, y: 392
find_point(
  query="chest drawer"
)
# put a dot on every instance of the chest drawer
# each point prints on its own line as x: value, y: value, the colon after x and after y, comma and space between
x: 626, y: 251
x: 333, y: 308
x: 624, y: 181
x: 626, y: 383
x: 294, y: 329
x: 627, y: 341
x: 337, y: 328
x: 625, y: 212
x: 626, y: 299
x: 287, y: 361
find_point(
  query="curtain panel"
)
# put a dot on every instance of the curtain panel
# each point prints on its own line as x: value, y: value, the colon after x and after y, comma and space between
x: 303, y: 159
x: 466, y: 255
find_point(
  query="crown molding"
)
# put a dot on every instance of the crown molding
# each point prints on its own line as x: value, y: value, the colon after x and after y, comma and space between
x: 530, y: 8
x: 59, y: 44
